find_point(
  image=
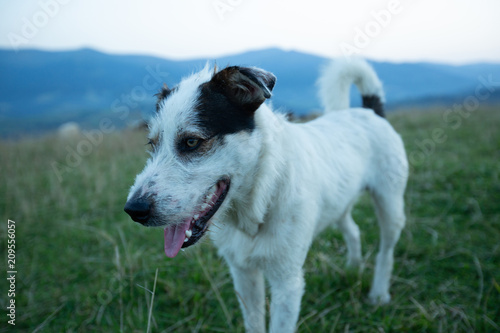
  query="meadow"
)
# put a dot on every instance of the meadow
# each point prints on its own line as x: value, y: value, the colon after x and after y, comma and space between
x: 84, y: 266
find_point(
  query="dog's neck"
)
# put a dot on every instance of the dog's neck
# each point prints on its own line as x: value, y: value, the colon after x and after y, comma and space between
x: 251, y: 212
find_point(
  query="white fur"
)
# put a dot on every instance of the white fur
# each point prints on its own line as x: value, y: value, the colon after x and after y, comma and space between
x: 288, y: 183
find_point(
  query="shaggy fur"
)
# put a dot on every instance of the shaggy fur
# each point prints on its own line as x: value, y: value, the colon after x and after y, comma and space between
x: 221, y: 156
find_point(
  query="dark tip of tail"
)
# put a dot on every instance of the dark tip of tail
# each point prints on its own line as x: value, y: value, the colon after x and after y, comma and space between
x: 373, y: 102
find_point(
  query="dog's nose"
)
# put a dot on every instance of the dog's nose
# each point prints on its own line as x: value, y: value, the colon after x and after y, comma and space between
x: 138, y: 210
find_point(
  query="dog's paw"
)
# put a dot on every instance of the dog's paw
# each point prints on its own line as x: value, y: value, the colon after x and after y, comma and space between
x: 376, y: 298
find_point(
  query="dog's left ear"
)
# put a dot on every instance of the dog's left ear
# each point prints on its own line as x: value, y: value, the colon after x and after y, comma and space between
x: 248, y: 87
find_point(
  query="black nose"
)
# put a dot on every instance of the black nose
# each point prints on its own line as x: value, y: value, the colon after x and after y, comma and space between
x: 138, y: 210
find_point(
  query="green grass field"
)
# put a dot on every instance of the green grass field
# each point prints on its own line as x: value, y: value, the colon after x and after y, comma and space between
x: 83, y: 265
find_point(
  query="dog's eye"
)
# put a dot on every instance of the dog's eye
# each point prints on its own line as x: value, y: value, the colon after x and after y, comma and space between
x: 192, y: 143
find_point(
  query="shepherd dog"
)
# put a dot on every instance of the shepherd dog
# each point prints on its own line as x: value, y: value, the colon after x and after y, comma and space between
x: 223, y: 163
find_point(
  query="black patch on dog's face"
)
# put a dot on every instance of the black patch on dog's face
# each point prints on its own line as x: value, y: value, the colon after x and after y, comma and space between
x: 219, y: 116
x: 228, y: 101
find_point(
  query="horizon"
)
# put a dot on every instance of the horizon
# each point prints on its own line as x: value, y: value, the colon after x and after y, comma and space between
x: 208, y: 58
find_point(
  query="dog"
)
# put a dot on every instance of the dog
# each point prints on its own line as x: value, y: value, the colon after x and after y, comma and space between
x: 220, y: 156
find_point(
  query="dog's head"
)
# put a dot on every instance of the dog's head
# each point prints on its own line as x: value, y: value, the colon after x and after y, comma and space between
x: 204, y: 146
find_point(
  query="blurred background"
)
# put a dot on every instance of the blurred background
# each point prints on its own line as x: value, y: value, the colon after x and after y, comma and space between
x: 77, y: 82
x: 80, y: 61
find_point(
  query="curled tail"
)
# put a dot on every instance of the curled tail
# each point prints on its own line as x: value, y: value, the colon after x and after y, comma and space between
x: 335, y: 83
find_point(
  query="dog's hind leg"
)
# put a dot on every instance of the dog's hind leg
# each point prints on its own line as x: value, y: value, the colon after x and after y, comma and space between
x: 350, y: 232
x: 389, y: 207
x: 250, y: 288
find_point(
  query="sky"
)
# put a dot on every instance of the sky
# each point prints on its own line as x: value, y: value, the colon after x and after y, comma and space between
x: 455, y: 32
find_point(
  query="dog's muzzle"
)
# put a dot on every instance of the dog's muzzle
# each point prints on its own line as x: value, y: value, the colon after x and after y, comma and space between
x: 180, y: 230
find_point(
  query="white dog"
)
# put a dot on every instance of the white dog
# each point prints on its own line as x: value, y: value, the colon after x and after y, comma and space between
x: 221, y: 156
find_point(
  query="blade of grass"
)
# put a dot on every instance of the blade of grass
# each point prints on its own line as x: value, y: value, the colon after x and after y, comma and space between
x: 152, y: 301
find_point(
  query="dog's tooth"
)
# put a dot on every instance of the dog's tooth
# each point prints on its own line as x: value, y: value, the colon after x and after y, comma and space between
x: 189, y: 233
x: 196, y: 216
x: 185, y: 240
x: 204, y: 206
x: 212, y: 192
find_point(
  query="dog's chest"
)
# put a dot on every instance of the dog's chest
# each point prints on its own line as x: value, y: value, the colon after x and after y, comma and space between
x: 244, y: 250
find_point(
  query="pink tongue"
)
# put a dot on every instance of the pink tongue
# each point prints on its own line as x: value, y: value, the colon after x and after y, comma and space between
x: 174, y: 238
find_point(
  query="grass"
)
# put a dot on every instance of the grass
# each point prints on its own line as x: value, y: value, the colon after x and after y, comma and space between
x: 84, y: 266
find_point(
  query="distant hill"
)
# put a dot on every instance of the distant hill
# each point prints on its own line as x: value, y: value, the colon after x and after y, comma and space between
x: 39, y: 90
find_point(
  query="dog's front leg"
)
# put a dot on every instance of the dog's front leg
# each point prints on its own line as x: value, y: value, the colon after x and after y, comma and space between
x: 286, y: 293
x: 250, y: 289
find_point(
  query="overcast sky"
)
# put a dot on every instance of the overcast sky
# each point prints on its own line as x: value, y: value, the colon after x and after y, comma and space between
x: 451, y: 31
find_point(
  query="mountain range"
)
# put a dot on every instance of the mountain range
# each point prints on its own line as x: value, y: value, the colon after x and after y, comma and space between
x: 39, y: 90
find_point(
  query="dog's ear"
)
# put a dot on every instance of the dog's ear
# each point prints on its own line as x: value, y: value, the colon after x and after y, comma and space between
x: 247, y: 87
x: 164, y: 92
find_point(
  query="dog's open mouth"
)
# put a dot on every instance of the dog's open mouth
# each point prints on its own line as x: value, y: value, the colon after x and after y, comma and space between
x: 191, y: 230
